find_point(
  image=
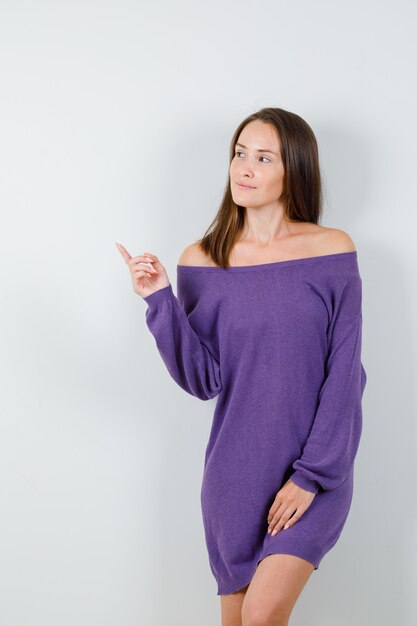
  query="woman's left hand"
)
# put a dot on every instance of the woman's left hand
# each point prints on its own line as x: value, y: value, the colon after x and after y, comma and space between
x: 291, y: 500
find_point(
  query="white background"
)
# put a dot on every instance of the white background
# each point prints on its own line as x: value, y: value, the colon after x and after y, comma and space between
x: 115, y: 125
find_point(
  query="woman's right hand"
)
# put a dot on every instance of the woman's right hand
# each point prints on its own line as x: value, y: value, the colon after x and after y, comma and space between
x: 145, y: 279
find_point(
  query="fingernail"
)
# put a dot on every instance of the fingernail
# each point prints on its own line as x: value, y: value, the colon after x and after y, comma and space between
x: 274, y: 532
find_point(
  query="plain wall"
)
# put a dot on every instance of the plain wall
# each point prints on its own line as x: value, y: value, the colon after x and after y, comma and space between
x: 115, y: 125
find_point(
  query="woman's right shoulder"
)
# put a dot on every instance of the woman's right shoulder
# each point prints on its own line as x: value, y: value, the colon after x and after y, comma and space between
x: 194, y: 255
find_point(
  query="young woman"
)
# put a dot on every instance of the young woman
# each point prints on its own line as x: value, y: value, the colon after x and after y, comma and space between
x: 267, y: 319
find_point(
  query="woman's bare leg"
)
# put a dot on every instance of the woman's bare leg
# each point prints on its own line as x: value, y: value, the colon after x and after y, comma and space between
x: 231, y: 607
x: 274, y: 589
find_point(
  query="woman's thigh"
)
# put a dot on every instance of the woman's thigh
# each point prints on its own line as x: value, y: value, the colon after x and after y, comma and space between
x: 231, y: 607
x: 274, y: 589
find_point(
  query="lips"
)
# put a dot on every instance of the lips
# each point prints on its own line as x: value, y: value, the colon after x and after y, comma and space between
x: 244, y: 186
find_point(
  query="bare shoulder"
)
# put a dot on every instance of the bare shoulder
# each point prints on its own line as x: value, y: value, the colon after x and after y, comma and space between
x: 334, y: 241
x: 194, y: 255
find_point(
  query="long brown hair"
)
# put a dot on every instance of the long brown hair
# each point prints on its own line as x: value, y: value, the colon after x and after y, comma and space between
x: 302, y: 193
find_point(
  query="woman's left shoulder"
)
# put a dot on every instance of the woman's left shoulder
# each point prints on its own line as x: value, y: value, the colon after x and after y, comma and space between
x: 335, y: 240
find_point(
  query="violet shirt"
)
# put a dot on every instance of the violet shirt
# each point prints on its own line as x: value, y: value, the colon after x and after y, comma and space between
x: 279, y: 347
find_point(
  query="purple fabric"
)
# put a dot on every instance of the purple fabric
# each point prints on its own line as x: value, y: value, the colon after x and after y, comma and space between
x: 279, y: 345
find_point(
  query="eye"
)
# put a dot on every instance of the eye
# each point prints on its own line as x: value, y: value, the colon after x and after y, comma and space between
x: 263, y: 157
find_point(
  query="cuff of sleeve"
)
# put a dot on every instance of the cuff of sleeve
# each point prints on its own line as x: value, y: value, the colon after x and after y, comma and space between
x: 159, y: 295
x: 305, y: 483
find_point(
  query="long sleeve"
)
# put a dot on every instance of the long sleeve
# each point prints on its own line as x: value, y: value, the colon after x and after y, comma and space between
x: 330, y: 450
x: 187, y: 359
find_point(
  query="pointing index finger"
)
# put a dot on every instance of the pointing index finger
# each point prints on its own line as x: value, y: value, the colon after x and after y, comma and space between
x: 125, y: 254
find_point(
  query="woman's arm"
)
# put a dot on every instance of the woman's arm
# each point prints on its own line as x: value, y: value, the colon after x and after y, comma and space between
x: 187, y: 359
x: 331, y: 447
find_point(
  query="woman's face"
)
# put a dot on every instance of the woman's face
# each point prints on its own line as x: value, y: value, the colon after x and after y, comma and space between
x: 257, y: 163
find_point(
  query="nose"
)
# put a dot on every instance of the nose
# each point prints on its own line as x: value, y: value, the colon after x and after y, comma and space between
x: 245, y: 170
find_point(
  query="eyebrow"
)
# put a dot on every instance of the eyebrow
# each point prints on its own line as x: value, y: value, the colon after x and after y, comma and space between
x: 260, y: 150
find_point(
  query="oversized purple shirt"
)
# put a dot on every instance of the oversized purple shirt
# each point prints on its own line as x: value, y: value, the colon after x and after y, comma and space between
x: 279, y: 345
